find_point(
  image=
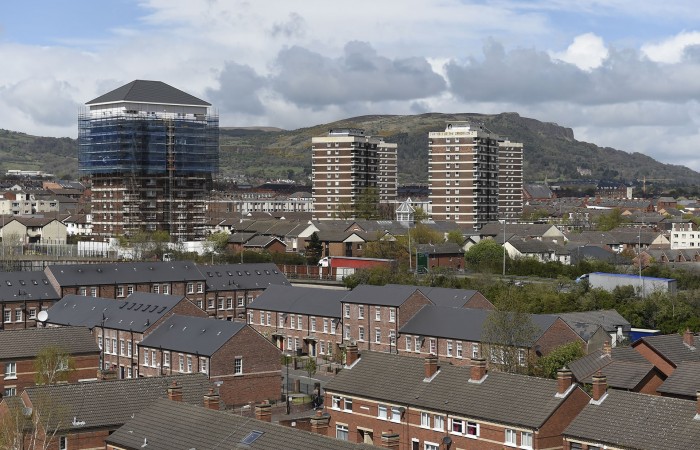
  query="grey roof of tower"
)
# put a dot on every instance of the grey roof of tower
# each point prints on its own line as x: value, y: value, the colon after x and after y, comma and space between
x: 145, y: 91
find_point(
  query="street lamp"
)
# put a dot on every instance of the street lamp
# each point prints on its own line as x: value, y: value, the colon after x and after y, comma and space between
x: 504, y: 247
x: 286, y: 360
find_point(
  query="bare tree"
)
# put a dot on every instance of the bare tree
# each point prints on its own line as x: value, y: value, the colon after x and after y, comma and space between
x: 53, y: 365
x: 508, y: 335
x: 34, y: 427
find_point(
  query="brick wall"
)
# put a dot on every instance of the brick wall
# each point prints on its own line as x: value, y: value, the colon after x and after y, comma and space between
x: 442, y: 346
x: 478, y: 301
x: 549, y: 435
x: 556, y: 335
x: 660, y: 363
x: 26, y: 321
x: 281, y: 337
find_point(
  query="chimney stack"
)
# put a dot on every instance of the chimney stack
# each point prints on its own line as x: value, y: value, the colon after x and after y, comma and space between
x: 600, y: 385
x: 319, y: 423
x: 431, y: 366
x: 689, y: 338
x: 607, y: 350
x: 697, y: 404
x: 175, y: 392
x: 390, y: 439
x: 478, y: 370
x: 564, y: 380
x: 211, y: 400
x: 351, y: 354
x: 263, y: 411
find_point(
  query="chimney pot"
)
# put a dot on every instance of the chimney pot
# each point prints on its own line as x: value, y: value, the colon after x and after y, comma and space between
x: 600, y: 385
x: 175, y: 392
x: 263, y: 412
x: 478, y: 370
x: 607, y: 350
x: 564, y: 380
x: 351, y: 354
x: 319, y: 423
x: 211, y: 400
x: 431, y: 366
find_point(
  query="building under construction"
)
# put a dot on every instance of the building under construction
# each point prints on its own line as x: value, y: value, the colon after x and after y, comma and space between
x: 150, y: 151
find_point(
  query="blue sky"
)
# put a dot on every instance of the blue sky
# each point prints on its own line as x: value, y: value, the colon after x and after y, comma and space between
x: 621, y: 73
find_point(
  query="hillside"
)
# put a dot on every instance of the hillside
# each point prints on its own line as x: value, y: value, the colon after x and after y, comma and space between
x: 261, y: 153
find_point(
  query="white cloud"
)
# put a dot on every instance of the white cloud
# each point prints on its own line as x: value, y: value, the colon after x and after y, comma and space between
x: 671, y: 50
x: 587, y: 52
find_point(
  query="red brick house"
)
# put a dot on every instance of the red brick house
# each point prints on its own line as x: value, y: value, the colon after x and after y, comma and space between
x: 118, y: 325
x: 19, y: 348
x: 623, y: 367
x: 22, y: 296
x: 456, y: 335
x: 447, y: 255
x: 240, y: 361
x: 666, y: 352
x: 615, y: 419
x: 81, y: 416
x: 299, y: 319
x: 432, y: 406
x: 230, y: 288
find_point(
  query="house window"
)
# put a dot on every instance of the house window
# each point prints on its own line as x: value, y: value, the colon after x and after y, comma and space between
x: 200, y: 288
x: 9, y: 392
x: 475, y: 351
x: 166, y: 359
x: 409, y: 341
x: 289, y: 343
x: 341, y: 432
x: 153, y: 358
x: 511, y: 437
x: 457, y: 426
x: 269, y: 319
x: 439, y: 423
x: 166, y: 289
x: 229, y: 303
x: 292, y: 321
x: 395, y: 414
x: 10, y: 370
x: 250, y: 316
x: 239, y: 301
x: 203, y: 365
x: 145, y: 358
x: 122, y: 347
x: 99, y: 341
x: 425, y: 420
x: 182, y: 363
x: 18, y: 315
x: 347, y: 311
x: 361, y: 311
x: 392, y: 338
x: 347, y: 332
x: 449, y: 348
x: 325, y: 325
x: 377, y: 335
x: 130, y: 290
x: 459, y: 349
x: 262, y: 318
x: 347, y: 406
x: 114, y: 346
x: 472, y: 429
x: 431, y: 446
x: 312, y: 324
x: 299, y: 323
x: 418, y: 344
x: 381, y: 412
x: 238, y: 366
x: 522, y: 357
x: 210, y: 303
x: 392, y: 315
x: 361, y: 334
x: 156, y: 289
x: 82, y: 291
x: 128, y: 348
x: 280, y: 320
x: 200, y: 304
x: 335, y: 402
x: 377, y: 313
x: 32, y: 313
x: 7, y: 316
x: 526, y: 440
x: 63, y: 443
x: 190, y: 288
x: 189, y: 364
x: 93, y: 292
x: 221, y: 303
x: 120, y: 291
x: 433, y: 346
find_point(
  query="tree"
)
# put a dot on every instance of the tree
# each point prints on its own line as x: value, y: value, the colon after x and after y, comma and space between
x: 548, y: 365
x: 456, y: 237
x: 32, y: 426
x: 486, y: 256
x: 367, y: 203
x: 508, y: 335
x: 53, y: 365
x: 314, y: 249
x: 611, y: 220
x: 310, y: 366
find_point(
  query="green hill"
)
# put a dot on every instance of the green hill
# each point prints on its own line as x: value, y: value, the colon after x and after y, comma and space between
x: 261, y: 153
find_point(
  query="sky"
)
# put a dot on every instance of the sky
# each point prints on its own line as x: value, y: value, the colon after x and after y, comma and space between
x: 621, y: 73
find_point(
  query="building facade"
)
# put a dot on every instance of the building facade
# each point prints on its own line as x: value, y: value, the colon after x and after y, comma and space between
x: 151, y: 151
x: 510, y: 180
x: 348, y: 169
x: 463, y: 174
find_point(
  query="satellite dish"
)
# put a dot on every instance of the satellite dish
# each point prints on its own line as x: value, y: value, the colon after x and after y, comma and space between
x: 43, y: 316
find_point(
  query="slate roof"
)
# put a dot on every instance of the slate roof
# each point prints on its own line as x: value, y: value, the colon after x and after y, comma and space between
x: 538, y: 190
x: 464, y: 324
x: 193, y: 335
x: 227, y: 277
x: 672, y: 347
x: 19, y: 286
x: 144, y: 91
x: 685, y: 380
x: 389, y: 295
x: 22, y: 344
x: 138, y: 312
x: 240, y: 237
x: 300, y: 300
x: 638, y: 421
x: 262, y: 241
x: 125, y: 273
x: 168, y: 425
x: 624, y: 368
x: 501, y: 397
x: 447, y: 296
x: 447, y: 248
x: 112, y: 403
x: 609, y: 319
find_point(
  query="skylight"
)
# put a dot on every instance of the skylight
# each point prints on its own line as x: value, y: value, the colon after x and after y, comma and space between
x: 251, y: 437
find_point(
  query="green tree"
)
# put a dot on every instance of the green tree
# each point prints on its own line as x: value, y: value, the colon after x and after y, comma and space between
x: 314, y: 249
x: 548, y: 365
x: 508, y: 335
x: 310, y: 366
x: 53, y: 365
x: 455, y: 236
x: 367, y: 204
x: 486, y: 256
x: 611, y: 220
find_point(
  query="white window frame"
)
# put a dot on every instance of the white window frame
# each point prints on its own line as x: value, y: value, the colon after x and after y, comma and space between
x: 382, y: 412
x: 471, y: 425
x: 424, y: 419
x: 10, y: 370
x: 341, y: 432
x: 511, y: 437
x: 238, y: 365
